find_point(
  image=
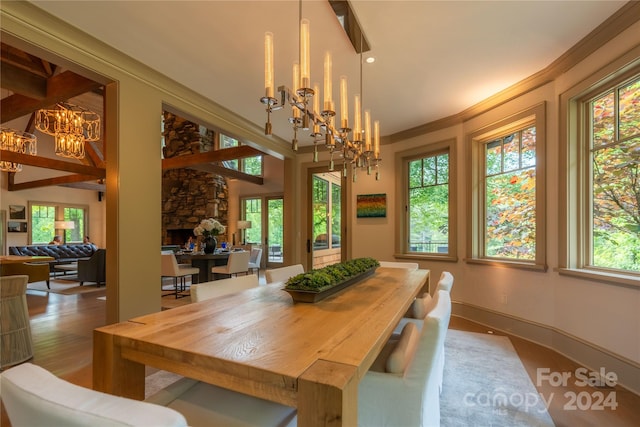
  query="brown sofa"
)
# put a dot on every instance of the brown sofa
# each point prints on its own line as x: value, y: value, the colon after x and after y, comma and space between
x: 62, y: 254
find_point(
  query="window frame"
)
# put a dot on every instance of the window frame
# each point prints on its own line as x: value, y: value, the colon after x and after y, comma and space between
x: 402, y: 160
x: 59, y: 209
x: 575, y: 184
x: 533, y: 116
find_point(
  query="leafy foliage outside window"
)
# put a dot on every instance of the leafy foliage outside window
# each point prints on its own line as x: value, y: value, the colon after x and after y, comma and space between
x: 42, y: 223
x: 615, y: 174
x: 428, y: 204
x: 510, y: 196
x: 77, y: 216
x: 43, y: 219
x: 253, y: 213
x: 326, y: 213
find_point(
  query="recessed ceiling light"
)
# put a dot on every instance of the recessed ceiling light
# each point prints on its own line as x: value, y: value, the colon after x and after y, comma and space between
x: 370, y: 60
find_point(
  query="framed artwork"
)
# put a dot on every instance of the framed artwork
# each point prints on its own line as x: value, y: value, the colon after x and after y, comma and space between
x: 16, y: 227
x: 17, y: 212
x: 371, y: 205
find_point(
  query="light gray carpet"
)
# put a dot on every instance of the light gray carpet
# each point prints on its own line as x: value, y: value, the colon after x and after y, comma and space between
x: 485, y: 384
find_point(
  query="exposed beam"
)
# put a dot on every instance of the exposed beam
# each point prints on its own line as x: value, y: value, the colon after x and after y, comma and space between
x: 43, y: 162
x: 67, y: 179
x: 210, y: 156
x: 59, y: 88
x: 20, y: 81
x: 229, y: 173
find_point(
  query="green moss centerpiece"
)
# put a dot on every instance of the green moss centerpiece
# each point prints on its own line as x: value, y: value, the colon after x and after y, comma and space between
x: 318, y: 284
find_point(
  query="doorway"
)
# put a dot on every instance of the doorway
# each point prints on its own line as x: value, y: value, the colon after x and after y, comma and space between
x: 267, y: 227
x: 326, y: 219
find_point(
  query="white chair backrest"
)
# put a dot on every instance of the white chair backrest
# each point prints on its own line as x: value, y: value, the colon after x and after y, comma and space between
x: 417, y: 391
x: 238, y: 262
x: 393, y: 264
x: 170, y: 265
x: 33, y: 396
x: 283, y: 274
x: 256, y: 256
x: 446, y: 282
x: 207, y: 290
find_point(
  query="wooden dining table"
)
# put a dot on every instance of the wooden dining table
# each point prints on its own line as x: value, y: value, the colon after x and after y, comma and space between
x: 259, y: 342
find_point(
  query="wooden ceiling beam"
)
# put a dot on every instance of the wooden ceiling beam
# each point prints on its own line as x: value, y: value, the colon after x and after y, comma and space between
x: 229, y: 173
x: 48, y: 182
x: 43, y: 162
x: 17, y: 80
x: 232, y: 153
x: 59, y: 88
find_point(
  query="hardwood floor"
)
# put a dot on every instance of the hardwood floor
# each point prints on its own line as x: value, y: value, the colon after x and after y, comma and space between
x: 62, y: 328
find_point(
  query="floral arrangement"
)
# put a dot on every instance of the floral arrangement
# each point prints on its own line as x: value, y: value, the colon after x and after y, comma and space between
x: 209, y: 227
x: 331, y: 275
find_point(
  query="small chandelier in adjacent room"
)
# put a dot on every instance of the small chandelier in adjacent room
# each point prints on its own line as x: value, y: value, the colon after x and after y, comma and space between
x: 359, y: 147
x: 17, y: 142
x: 70, y: 126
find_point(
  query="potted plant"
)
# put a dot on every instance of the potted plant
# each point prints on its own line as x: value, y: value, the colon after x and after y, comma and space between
x: 209, y: 228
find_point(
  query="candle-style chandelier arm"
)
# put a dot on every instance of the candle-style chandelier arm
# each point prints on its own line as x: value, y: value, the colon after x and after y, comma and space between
x: 355, y: 145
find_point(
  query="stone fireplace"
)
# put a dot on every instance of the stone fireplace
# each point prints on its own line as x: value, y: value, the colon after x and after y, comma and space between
x: 189, y: 196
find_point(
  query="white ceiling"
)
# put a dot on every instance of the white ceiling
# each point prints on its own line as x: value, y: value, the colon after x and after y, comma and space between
x: 433, y: 58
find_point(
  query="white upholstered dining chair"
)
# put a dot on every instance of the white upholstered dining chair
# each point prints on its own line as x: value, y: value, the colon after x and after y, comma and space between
x: 283, y: 274
x: 396, y: 264
x: 255, y: 259
x: 238, y: 262
x: 33, y: 396
x: 217, y: 288
x: 171, y: 268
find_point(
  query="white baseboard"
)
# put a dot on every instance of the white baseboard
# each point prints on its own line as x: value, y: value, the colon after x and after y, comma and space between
x: 580, y: 351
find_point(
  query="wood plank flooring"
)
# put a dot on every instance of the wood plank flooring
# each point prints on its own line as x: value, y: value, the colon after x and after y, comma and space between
x: 62, y: 328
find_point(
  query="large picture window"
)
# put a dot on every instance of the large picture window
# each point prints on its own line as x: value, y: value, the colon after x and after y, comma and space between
x: 248, y: 165
x: 428, y: 220
x: 507, y: 220
x: 613, y: 139
x: 43, y: 217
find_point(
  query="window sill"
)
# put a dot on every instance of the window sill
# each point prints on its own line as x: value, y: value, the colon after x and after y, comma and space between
x: 507, y: 264
x: 427, y: 257
x: 603, y: 277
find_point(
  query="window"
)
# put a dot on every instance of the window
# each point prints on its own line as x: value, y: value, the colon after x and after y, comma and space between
x: 248, y: 165
x: 600, y: 210
x: 43, y: 222
x: 428, y: 216
x: 612, y: 136
x: 428, y: 204
x: 510, y: 195
x: 507, y: 219
x: 253, y: 212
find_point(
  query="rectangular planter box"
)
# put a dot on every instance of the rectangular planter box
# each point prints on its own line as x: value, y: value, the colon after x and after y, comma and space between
x: 312, y: 297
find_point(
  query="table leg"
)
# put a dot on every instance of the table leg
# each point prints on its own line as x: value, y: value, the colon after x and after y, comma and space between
x: 328, y: 395
x: 112, y: 373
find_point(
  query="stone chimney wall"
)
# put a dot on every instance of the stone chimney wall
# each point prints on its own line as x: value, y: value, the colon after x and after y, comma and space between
x: 189, y: 196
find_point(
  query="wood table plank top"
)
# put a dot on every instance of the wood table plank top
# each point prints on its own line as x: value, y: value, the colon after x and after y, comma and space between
x: 260, y: 342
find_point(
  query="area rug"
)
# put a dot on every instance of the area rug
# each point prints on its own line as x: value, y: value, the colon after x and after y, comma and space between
x: 157, y: 381
x: 485, y: 384
x: 65, y: 287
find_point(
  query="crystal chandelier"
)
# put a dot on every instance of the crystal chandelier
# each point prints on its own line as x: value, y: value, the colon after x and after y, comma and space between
x: 358, y: 146
x: 17, y: 142
x: 70, y: 126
